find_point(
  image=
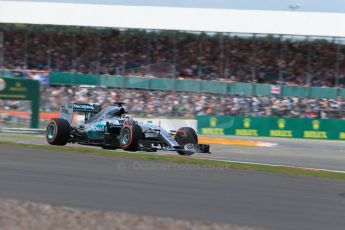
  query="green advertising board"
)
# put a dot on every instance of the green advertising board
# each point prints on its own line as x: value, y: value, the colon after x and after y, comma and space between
x: 22, y: 90
x: 272, y: 127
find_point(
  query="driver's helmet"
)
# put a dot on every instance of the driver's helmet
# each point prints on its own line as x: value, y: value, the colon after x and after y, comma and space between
x: 128, y: 119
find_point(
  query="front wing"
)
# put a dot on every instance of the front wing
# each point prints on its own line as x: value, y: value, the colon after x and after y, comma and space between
x: 151, y: 146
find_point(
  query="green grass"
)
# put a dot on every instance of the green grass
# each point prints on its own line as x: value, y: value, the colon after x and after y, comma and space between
x: 23, y: 136
x: 182, y: 160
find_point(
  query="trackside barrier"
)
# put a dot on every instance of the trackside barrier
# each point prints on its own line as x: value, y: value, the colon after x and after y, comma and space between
x: 117, y: 81
x: 331, y: 129
x: 168, y: 124
x: 22, y: 131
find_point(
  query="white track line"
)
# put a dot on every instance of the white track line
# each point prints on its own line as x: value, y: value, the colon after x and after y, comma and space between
x: 271, y: 165
x: 266, y: 144
x: 221, y: 159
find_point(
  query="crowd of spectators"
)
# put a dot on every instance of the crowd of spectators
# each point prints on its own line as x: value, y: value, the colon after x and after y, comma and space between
x: 186, y: 55
x: 146, y: 103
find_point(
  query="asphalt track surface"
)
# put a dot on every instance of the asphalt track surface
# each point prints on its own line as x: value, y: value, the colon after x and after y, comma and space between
x: 291, y: 152
x: 257, y: 199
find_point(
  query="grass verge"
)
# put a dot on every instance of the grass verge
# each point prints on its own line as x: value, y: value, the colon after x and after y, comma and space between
x: 19, y: 136
x: 182, y: 160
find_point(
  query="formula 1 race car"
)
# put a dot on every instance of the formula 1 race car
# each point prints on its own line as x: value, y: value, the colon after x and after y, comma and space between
x: 113, y: 128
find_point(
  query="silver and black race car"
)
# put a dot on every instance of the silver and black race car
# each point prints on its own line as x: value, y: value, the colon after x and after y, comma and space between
x: 113, y: 128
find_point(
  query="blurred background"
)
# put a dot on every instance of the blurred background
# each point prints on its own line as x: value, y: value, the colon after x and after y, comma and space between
x: 174, y: 73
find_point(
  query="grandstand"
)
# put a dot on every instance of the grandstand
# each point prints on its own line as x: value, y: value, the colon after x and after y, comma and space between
x: 220, y: 46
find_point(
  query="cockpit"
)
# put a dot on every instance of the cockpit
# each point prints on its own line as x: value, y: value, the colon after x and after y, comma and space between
x: 118, y: 112
x: 108, y: 113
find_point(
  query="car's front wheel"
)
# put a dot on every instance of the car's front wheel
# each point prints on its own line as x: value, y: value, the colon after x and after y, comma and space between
x: 130, y: 136
x: 186, y: 135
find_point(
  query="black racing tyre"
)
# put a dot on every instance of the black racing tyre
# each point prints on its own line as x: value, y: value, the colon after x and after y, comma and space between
x: 186, y: 135
x: 130, y: 136
x: 58, y: 131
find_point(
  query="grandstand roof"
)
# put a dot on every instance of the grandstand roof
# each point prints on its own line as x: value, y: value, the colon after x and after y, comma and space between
x: 174, y: 18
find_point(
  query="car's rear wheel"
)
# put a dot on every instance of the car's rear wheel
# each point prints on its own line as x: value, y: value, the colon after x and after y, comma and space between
x: 186, y: 135
x: 58, y: 131
x: 130, y: 136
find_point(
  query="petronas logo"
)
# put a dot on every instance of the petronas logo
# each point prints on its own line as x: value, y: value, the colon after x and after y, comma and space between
x: 281, y: 123
x: 246, y: 122
x: 316, y: 124
x: 213, y: 121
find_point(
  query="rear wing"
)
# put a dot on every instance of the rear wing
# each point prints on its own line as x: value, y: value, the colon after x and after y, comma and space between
x: 67, y: 110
